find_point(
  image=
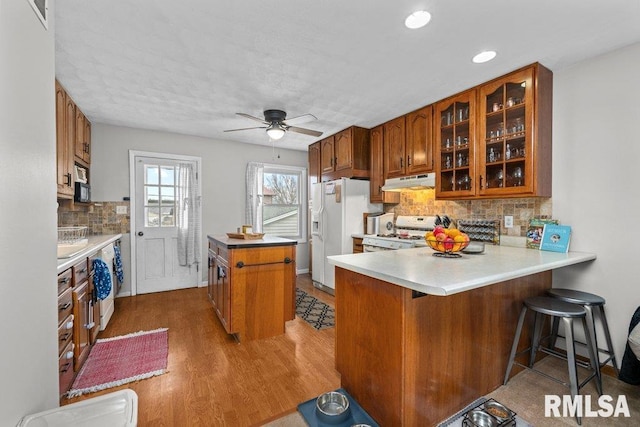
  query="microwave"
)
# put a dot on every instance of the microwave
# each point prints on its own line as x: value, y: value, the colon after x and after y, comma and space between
x: 82, y: 193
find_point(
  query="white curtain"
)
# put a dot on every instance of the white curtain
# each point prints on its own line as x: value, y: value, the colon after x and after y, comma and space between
x: 188, y: 215
x: 253, y: 205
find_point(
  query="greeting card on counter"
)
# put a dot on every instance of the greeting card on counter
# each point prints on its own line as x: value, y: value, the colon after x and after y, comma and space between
x: 534, y: 232
x: 555, y: 238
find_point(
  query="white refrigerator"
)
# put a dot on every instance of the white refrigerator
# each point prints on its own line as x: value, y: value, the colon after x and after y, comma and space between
x: 336, y: 213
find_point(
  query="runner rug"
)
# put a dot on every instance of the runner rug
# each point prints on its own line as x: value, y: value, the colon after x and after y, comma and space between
x: 121, y: 360
x: 314, y: 312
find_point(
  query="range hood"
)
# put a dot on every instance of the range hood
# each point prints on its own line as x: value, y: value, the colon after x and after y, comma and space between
x: 413, y: 182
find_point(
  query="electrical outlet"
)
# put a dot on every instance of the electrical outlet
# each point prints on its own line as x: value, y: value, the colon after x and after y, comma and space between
x: 508, y: 221
x: 121, y: 210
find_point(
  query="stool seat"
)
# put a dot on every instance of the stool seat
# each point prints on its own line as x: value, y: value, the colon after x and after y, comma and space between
x: 554, y: 307
x: 576, y: 297
x: 559, y: 311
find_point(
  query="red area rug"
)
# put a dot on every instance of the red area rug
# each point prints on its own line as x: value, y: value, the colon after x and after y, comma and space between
x: 120, y: 360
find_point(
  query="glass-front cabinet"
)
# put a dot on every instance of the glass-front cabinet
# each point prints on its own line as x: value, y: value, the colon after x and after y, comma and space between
x: 505, y: 135
x: 495, y: 140
x: 455, y: 145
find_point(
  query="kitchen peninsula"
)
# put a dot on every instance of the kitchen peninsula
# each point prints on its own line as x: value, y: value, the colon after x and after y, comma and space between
x: 419, y: 337
x: 251, y: 284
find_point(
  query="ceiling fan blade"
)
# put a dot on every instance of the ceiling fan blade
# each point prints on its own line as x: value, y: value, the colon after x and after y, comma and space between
x: 304, y: 131
x: 257, y: 127
x: 248, y: 116
x: 298, y: 120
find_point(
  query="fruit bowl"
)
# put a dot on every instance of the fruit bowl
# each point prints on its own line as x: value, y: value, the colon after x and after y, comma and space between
x: 446, y: 242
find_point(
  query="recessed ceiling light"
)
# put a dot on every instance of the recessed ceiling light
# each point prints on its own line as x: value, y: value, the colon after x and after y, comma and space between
x: 484, y: 56
x: 417, y: 19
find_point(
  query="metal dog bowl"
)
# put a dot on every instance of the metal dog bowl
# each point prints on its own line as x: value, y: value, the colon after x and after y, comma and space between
x: 480, y: 418
x: 332, y: 407
x: 497, y: 410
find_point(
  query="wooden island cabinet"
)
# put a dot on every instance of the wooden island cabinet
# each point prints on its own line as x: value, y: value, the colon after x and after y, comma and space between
x: 251, y: 284
x: 420, y: 337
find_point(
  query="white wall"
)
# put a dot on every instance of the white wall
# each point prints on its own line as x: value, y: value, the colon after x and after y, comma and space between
x: 223, y: 172
x: 28, y: 291
x: 596, y: 179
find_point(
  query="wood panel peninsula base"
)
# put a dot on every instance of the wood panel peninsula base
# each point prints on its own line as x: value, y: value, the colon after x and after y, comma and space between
x: 251, y: 285
x: 413, y: 347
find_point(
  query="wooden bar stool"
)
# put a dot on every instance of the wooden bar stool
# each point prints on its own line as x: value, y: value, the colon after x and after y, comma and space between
x: 593, y: 304
x: 561, y: 310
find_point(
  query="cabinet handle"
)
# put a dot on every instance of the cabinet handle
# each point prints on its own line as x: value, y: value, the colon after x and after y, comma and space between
x: 84, y: 270
x: 288, y: 260
x: 481, y: 181
x: 65, y: 336
x: 331, y: 161
x: 401, y: 162
x: 335, y: 161
x: 63, y: 281
x: 408, y: 160
x: 69, y: 179
x: 240, y: 264
x: 86, y: 148
x: 64, y: 307
x: 67, y: 365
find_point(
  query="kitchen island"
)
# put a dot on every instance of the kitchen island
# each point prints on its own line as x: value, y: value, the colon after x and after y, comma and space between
x: 251, y: 284
x: 419, y: 337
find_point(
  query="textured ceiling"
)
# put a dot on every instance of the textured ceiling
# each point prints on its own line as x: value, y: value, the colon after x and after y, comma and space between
x: 188, y: 66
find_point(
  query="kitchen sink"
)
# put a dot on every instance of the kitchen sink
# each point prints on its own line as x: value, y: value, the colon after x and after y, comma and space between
x: 67, y: 250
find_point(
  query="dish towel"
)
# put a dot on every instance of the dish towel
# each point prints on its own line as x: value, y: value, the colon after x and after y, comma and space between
x: 117, y: 257
x: 101, y: 278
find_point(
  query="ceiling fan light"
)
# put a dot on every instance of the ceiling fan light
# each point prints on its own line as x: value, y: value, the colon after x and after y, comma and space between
x: 417, y: 19
x: 275, y: 132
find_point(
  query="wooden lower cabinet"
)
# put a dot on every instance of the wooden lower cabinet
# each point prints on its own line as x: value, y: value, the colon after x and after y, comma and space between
x: 252, y: 287
x: 357, y: 245
x: 414, y: 359
x: 81, y: 333
x: 65, y: 331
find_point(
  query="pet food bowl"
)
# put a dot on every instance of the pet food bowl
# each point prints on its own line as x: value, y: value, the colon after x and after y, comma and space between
x: 332, y: 407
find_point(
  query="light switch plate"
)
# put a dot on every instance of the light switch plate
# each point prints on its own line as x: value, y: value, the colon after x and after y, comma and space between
x: 508, y: 221
x: 121, y: 210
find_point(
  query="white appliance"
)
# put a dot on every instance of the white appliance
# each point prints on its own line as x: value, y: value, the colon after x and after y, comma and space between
x: 107, y: 305
x: 409, y: 233
x: 413, y: 182
x: 337, y: 209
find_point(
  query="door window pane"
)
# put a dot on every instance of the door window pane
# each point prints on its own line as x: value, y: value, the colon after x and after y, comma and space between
x: 160, y: 196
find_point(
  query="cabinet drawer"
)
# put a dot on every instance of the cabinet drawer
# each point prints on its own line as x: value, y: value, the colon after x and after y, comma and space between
x: 262, y: 256
x: 65, y: 333
x: 80, y: 272
x: 65, y: 369
x: 64, y: 280
x: 65, y: 305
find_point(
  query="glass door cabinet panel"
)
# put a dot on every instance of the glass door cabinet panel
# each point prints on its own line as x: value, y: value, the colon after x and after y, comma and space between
x: 514, y: 134
x: 455, y: 146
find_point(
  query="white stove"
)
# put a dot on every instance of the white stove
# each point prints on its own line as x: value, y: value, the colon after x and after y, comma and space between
x: 409, y: 233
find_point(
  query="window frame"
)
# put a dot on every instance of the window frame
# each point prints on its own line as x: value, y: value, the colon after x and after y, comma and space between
x: 302, y: 197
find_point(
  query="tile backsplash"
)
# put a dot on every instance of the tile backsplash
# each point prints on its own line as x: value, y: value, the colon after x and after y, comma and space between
x: 100, y: 217
x: 423, y: 202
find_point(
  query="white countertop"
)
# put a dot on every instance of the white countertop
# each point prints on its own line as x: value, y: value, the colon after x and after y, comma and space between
x: 94, y: 245
x: 266, y: 240
x: 419, y: 270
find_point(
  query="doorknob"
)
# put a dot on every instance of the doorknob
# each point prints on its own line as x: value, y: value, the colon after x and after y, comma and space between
x: 140, y: 233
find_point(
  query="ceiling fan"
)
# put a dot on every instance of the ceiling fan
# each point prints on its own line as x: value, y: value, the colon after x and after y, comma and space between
x: 276, y: 124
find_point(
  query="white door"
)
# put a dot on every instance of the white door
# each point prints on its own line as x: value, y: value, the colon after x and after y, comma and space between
x: 157, y: 268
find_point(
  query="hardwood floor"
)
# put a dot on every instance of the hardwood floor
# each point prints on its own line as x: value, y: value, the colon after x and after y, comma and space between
x: 214, y: 381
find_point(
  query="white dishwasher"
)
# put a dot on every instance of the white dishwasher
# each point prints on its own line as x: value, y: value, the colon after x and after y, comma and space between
x: 107, y: 305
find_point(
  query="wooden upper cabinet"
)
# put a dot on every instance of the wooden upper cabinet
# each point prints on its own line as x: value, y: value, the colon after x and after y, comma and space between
x: 327, y: 155
x: 455, y: 142
x: 314, y: 163
x: 394, y: 148
x: 64, y: 149
x: 514, y: 134
x: 495, y: 140
x: 377, y: 164
x: 345, y: 154
x: 343, y: 149
x: 419, y: 137
x: 83, y: 139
